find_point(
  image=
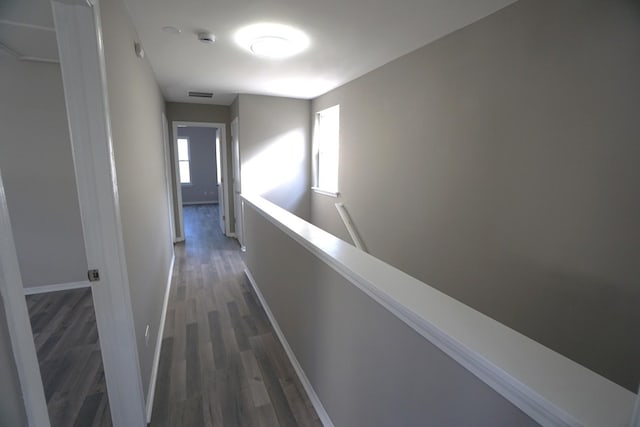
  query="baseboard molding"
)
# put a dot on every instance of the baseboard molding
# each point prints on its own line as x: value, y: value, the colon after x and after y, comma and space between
x: 214, y: 202
x: 56, y: 287
x: 232, y: 235
x: 635, y: 421
x: 156, y: 356
x: 315, y: 400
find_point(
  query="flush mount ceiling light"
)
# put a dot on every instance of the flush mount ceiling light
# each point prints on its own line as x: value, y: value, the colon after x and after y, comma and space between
x: 273, y: 41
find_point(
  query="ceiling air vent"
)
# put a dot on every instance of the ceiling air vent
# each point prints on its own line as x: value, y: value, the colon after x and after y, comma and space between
x: 194, y: 94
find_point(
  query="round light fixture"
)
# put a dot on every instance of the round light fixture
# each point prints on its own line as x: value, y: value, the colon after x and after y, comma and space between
x: 271, y: 47
x: 273, y: 41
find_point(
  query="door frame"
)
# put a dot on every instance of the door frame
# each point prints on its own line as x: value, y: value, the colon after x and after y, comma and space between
x: 238, y: 205
x: 167, y: 176
x: 222, y: 129
x: 79, y: 38
x: 18, y: 323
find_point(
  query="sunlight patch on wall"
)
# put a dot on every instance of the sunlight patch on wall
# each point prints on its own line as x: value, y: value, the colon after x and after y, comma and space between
x: 276, y: 165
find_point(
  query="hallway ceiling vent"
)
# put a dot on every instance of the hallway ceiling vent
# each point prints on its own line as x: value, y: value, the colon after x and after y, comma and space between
x: 194, y: 94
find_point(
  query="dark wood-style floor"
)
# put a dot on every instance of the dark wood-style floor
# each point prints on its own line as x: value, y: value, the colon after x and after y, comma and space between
x: 221, y: 363
x: 66, y: 339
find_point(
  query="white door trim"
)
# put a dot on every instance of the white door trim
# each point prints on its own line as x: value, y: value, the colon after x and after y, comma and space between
x: 18, y: 323
x: 635, y: 421
x: 167, y: 176
x: 238, y: 207
x: 79, y: 37
x: 222, y: 128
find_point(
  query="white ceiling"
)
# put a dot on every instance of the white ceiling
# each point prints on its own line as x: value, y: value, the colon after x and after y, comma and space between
x: 348, y: 39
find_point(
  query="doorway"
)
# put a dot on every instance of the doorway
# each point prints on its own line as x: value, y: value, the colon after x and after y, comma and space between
x: 75, y: 95
x: 237, y: 184
x: 200, y: 170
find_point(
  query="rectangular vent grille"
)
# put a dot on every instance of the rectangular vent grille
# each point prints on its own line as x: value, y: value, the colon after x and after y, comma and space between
x: 200, y: 94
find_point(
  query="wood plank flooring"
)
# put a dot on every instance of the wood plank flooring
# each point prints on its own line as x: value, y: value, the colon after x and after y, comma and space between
x: 66, y: 339
x: 221, y: 363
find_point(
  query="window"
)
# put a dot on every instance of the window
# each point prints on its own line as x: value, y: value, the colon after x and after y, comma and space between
x: 326, y: 150
x: 183, y: 161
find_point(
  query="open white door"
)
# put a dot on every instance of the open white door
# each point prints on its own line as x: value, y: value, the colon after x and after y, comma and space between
x: 237, y: 183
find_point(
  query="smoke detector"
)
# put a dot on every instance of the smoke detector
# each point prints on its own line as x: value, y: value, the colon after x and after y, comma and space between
x: 206, y: 37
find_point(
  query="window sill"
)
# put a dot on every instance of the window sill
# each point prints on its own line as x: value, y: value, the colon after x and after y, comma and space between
x: 325, y: 192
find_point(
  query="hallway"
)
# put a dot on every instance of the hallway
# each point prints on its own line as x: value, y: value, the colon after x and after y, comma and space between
x: 221, y: 363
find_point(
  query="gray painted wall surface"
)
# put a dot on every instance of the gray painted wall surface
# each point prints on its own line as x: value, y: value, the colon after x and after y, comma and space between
x: 275, y: 150
x: 136, y: 117
x: 183, y: 112
x: 11, y: 404
x: 202, y: 146
x: 37, y: 166
x: 499, y: 164
x: 368, y: 367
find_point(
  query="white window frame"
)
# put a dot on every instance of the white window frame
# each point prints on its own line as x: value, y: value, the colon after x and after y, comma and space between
x: 317, y: 153
x: 181, y: 160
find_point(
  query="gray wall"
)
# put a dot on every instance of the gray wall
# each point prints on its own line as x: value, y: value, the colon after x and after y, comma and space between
x: 184, y: 112
x: 136, y: 108
x: 202, y: 146
x: 11, y: 404
x: 368, y: 367
x: 500, y: 165
x: 275, y: 151
x: 37, y: 166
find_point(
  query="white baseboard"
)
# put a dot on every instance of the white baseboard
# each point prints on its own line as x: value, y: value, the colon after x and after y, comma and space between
x: 232, y: 235
x: 315, y: 400
x: 56, y: 287
x: 635, y: 421
x: 156, y: 356
x: 208, y: 202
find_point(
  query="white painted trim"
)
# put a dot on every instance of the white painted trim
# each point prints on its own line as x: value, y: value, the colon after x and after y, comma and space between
x: 79, y: 38
x: 351, y: 228
x: 313, y: 397
x: 635, y: 421
x: 547, y: 386
x: 177, y: 184
x: 325, y: 192
x: 167, y: 175
x: 232, y: 235
x: 18, y: 323
x: 151, y: 393
x: 33, y: 290
x: 222, y: 128
x: 236, y: 183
